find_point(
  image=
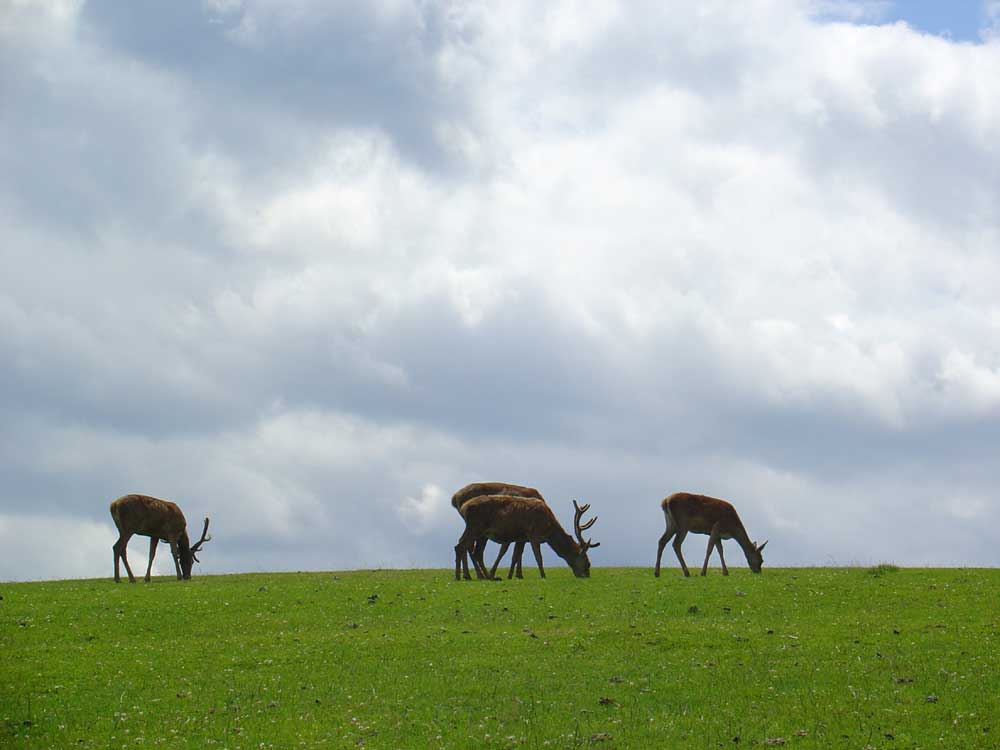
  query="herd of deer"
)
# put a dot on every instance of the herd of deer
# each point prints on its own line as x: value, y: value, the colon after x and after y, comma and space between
x: 504, y: 513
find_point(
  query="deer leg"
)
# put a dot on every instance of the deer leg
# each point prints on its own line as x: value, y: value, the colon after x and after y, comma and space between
x: 718, y: 546
x: 462, y: 551
x: 503, y: 551
x: 114, y: 549
x: 713, y: 539
x: 474, y: 554
x: 461, y: 563
x: 678, y: 540
x: 659, y: 549
x: 478, y: 550
x: 515, y: 561
x: 120, y: 552
x: 177, y: 556
x: 536, y: 547
x: 475, y: 549
x: 153, y: 541
x: 480, y: 557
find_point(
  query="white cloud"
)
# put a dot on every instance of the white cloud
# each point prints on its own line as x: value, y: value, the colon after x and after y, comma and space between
x: 46, y: 16
x: 854, y: 11
x: 520, y: 243
x: 421, y: 513
x: 970, y: 509
x: 42, y: 547
x: 970, y: 385
x: 991, y: 17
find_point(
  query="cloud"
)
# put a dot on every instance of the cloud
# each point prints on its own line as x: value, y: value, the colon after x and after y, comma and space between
x: 310, y: 268
x: 421, y: 513
x: 991, y: 18
x: 46, y: 548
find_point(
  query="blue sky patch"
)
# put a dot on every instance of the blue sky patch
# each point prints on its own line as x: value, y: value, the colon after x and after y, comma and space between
x: 960, y: 20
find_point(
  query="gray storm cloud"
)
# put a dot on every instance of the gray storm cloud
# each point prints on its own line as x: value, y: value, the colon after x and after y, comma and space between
x: 310, y: 268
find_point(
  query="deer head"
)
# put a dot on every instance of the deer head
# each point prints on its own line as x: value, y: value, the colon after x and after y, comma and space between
x: 188, y: 554
x: 580, y: 563
x: 754, y: 557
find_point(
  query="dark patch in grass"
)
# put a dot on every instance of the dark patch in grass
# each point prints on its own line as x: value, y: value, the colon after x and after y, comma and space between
x: 882, y: 569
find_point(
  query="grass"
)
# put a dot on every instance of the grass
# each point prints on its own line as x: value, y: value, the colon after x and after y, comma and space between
x: 800, y: 658
x: 882, y: 569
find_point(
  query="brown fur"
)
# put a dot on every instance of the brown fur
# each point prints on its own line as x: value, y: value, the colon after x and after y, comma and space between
x: 685, y: 512
x: 159, y: 520
x: 481, y: 489
x: 505, y: 518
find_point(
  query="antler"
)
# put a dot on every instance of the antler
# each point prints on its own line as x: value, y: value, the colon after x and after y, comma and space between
x: 205, y: 537
x: 585, y: 544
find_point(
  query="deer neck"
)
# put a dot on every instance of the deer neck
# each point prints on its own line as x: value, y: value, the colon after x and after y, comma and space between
x: 563, y: 545
x: 743, y: 538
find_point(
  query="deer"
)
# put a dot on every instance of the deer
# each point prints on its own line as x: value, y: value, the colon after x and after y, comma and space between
x: 160, y: 520
x: 701, y: 514
x: 505, y: 518
x: 479, y: 489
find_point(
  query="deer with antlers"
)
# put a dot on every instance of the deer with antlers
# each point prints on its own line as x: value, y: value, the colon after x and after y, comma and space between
x: 481, y: 489
x: 159, y: 520
x: 701, y: 514
x: 504, y: 518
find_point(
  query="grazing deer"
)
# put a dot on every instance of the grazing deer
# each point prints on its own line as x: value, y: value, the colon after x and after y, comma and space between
x: 509, y: 519
x: 701, y: 514
x: 480, y: 489
x: 159, y: 520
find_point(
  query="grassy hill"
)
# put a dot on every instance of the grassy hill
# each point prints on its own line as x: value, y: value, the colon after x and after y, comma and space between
x: 800, y: 658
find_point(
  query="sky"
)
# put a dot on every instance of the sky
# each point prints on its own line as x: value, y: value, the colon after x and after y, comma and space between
x: 956, y: 20
x: 309, y: 267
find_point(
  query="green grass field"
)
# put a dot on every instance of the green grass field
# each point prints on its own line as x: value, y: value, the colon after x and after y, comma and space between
x: 801, y: 658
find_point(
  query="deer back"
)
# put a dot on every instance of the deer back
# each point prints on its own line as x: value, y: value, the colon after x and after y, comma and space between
x: 699, y: 513
x: 481, y: 489
x: 511, y: 518
x: 149, y: 516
